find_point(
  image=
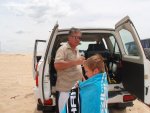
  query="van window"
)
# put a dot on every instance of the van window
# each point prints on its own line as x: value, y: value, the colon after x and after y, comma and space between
x: 84, y: 45
x: 128, y: 43
x: 41, y: 47
x: 112, y: 39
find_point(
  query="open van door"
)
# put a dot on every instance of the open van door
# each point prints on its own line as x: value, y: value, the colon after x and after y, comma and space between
x: 135, y: 73
x: 36, y: 56
x: 46, y: 83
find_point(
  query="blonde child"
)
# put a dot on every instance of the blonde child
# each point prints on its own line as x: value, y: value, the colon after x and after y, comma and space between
x: 92, y: 94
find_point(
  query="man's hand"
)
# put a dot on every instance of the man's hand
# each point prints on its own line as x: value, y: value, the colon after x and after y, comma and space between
x: 76, y: 84
x: 80, y: 60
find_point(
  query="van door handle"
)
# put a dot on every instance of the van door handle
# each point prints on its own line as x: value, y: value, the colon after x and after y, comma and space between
x: 147, y: 90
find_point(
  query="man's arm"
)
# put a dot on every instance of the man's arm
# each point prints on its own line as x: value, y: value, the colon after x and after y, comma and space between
x: 60, y: 65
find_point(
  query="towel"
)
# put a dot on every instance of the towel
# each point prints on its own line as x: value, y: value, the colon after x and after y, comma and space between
x: 91, y: 96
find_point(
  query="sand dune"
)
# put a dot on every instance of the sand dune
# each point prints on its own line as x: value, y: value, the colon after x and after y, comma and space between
x: 16, y: 87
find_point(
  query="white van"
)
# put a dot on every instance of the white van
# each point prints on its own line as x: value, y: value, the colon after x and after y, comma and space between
x: 128, y: 68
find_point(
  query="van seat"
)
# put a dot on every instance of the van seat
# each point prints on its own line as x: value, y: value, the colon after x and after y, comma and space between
x: 97, y: 49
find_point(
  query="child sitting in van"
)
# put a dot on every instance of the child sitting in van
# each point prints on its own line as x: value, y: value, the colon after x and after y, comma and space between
x: 91, y: 95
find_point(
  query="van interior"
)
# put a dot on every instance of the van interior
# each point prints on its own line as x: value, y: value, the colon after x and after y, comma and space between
x: 91, y: 44
x: 118, y: 71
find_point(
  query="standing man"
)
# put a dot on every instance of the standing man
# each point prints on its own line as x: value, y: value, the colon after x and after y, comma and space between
x: 68, y: 65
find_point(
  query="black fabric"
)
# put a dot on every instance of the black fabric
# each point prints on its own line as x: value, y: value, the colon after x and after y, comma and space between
x: 73, y: 104
x: 57, y: 97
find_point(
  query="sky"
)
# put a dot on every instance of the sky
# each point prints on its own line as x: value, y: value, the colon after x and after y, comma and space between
x: 23, y: 21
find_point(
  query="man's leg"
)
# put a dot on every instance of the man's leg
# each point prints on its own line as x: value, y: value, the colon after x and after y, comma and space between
x: 63, y: 97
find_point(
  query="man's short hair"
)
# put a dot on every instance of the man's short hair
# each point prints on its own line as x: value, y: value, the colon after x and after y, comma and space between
x: 74, y: 30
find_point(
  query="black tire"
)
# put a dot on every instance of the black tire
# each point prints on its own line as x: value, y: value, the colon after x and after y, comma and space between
x: 122, y: 106
x: 47, y: 111
x: 115, y: 107
x: 39, y: 107
x: 147, y: 53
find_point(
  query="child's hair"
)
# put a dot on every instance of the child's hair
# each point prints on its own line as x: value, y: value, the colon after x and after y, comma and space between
x: 95, y: 61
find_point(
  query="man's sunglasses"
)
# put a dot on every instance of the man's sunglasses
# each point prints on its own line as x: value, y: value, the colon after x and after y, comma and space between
x: 77, y: 37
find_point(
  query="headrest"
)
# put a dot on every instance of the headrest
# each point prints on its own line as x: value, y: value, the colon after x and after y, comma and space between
x: 96, y: 47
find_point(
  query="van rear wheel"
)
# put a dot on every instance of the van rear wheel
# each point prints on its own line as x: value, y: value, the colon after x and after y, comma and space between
x: 123, y: 106
x: 47, y: 111
x: 120, y: 107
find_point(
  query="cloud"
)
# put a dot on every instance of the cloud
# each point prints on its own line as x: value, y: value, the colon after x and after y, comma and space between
x: 41, y: 10
x: 52, y: 10
x: 20, y: 32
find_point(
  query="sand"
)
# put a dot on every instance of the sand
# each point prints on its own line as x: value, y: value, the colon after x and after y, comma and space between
x: 16, y: 87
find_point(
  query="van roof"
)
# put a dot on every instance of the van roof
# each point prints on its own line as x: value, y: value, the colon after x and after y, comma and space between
x: 88, y: 29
